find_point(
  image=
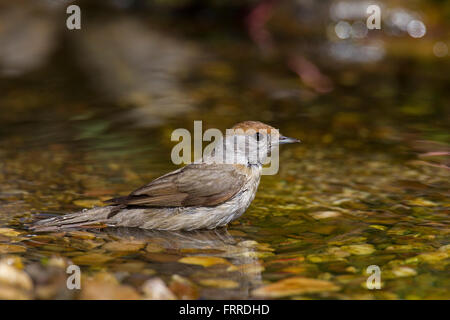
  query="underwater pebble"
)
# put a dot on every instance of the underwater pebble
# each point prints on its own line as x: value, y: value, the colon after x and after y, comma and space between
x: 400, y: 208
x: 154, y: 248
x: 359, y: 249
x: 219, y: 283
x: 14, y: 277
x: 183, y: 288
x: 400, y: 247
x: 351, y: 269
x: 84, y: 235
x: 8, y: 232
x: 11, y: 248
x: 86, y: 245
x: 432, y: 256
x: 338, y: 252
x: 332, y: 254
x: 12, y: 260
x: 123, y: 246
x: 403, y: 272
x: 162, y: 257
x: 325, y: 276
x: 264, y: 247
x: 320, y: 258
x: 248, y: 244
x: 246, y: 268
x: 203, y: 261
x: 325, y: 214
x: 294, y: 286
x: 102, y: 290
x: 347, y: 240
x: 421, y: 202
x: 378, y: 227
x: 58, y: 262
x: 91, y: 258
x: 156, y: 289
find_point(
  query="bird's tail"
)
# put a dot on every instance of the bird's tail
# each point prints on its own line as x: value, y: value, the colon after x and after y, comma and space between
x: 95, y: 217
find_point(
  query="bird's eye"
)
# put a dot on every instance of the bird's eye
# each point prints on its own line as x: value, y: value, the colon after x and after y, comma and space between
x: 258, y: 136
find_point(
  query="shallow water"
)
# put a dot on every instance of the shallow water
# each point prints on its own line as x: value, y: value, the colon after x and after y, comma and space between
x: 368, y: 185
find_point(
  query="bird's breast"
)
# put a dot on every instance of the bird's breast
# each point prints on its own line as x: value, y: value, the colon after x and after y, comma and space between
x: 243, y: 199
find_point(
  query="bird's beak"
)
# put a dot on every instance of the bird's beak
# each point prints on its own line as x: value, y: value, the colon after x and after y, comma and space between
x: 285, y: 140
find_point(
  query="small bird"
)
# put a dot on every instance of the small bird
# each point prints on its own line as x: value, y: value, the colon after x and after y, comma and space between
x: 206, y: 194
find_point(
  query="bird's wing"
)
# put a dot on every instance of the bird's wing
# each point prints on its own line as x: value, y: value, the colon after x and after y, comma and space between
x: 193, y: 185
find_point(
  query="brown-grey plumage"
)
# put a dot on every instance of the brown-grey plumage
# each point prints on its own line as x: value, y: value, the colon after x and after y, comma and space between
x: 187, y: 187
x: 202, y: 195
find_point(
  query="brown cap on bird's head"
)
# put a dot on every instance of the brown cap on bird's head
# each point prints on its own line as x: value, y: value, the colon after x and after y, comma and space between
x: 253, y: 125
x: 249, y: 127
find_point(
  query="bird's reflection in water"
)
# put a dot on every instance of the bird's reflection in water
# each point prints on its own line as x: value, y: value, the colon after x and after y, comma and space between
x: 239, y: 274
